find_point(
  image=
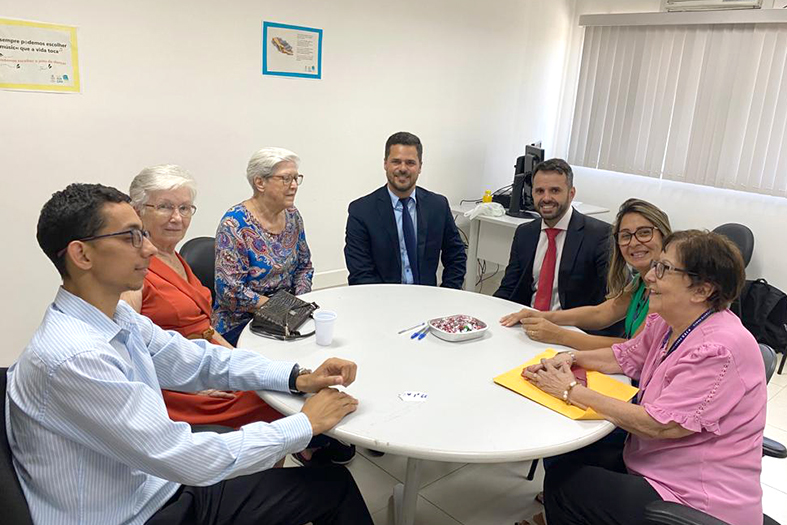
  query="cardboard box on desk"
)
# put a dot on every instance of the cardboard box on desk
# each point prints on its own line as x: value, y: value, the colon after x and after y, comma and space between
x: 597, y: 381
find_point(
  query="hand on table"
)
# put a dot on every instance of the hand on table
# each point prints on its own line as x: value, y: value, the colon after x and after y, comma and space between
x: 550, y: 378
x: 333, y: 372
x: 216, y: 393
x: 327, y: 407
x: 556, y: 362
x: 516, y: 317
x: 539, y: 329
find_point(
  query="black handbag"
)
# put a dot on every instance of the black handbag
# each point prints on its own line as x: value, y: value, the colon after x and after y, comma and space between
x: 763, y: 311
x: 281, y: 317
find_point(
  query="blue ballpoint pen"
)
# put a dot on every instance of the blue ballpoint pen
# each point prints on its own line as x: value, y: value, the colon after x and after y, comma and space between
x: 420, y: 334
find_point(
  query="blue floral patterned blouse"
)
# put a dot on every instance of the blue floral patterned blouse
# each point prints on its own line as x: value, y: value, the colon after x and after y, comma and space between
x: 251, y: 262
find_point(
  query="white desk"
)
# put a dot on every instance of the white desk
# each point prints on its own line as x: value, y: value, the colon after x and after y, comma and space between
x: 467, y: 417
x: 490, y: 238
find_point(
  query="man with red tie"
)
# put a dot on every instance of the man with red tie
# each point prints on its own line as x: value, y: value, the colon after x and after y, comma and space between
x: 559, y: 261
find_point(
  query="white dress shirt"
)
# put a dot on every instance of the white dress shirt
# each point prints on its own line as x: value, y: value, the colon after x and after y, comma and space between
x: 541, y: 251
x: 91, y: 439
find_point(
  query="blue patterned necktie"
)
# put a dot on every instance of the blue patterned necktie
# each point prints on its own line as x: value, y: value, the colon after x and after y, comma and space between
x: 408, y: 230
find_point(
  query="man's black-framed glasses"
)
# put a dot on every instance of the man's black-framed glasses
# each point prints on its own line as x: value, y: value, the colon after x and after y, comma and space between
x: 643, y: 234
x: 662, y: 267
x: 137, y: 238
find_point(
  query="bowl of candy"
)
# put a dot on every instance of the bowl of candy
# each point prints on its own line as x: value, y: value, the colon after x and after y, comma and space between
x: 457, y: 327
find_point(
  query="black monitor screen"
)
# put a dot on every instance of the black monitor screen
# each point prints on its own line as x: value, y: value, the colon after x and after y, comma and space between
x: 521, y: 204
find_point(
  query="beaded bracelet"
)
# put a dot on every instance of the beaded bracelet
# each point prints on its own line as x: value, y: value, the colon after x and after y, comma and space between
x: 567, y: 390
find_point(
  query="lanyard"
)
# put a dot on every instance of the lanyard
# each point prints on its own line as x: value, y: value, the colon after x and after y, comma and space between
x: 674, y: 347
x: 684, y: 335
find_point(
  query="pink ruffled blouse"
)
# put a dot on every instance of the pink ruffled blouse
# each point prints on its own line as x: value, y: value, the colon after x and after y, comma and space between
x: 714, y: 385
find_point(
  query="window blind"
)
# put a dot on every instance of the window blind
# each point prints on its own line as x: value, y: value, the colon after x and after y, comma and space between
x: 705, y: 104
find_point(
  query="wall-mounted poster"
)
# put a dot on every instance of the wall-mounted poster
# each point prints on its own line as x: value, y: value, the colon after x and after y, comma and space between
x: 291, y: 51
x: 38, y: 57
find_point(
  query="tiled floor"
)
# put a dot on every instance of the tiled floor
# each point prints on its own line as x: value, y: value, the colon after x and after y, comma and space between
x: 454, y: 494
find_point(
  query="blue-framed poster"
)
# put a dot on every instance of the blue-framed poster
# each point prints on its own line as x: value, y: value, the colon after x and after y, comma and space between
x: 291, y: 51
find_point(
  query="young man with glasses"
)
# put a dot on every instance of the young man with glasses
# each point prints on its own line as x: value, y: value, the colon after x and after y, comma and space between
x: 89, y: 432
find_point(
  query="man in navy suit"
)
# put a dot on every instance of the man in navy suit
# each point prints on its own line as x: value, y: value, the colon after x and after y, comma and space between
x: 560, y: 260
x: 399, y: 233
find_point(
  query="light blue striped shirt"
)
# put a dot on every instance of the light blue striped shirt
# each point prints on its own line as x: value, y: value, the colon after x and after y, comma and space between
x: 90, y: 435
x: 407, y: 272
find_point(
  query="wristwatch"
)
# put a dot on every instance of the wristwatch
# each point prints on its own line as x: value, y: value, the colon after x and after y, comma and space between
x: 297, y: 371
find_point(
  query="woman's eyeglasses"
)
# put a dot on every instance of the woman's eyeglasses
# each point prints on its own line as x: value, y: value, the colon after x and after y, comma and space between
x: 643, y: 234
x: 287, y: 179
x: 137, y: 238
x: 166, y: 209
x: 662, y: 267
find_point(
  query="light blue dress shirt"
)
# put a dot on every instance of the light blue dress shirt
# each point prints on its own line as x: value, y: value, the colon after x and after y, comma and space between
x: 91, y: 439
x: 407, y: 272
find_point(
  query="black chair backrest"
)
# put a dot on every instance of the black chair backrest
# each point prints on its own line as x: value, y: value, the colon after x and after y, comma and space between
x: 741, y: 236
x: 200, y: 254
x: 218, y: 429
x: 769, y: 358
x: 12, y: 499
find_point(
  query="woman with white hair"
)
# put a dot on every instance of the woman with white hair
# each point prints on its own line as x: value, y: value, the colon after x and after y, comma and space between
x: 173, y: 297
x: 260, y: 243
x: 260, y: 249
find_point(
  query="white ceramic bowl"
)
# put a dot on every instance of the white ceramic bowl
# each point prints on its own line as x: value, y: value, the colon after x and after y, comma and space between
x: 457, y: 336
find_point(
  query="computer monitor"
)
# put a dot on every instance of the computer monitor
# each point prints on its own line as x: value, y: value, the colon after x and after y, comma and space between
x: 521, y: 194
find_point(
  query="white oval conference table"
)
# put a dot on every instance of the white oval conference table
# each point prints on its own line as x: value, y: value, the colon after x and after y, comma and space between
x: 465, y: 418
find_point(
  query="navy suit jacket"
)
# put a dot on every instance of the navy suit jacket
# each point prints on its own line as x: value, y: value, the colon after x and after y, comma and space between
x: 582, y: 276
x: 371, y: 242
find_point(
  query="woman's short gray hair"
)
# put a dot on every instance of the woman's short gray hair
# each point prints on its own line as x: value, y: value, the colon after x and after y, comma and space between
x: 159, y: 178
x: 261, y: 164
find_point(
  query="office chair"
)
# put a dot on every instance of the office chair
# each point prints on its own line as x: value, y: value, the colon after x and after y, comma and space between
x: 741, y: 236
x: 12, y: 499
x: 671, y: 513
x: 200, y: 254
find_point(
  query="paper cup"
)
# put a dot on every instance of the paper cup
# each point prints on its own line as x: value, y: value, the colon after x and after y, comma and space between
x: 324, y: 320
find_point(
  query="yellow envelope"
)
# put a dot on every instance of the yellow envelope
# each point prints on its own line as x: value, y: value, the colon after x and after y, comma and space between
x: 597, y: 381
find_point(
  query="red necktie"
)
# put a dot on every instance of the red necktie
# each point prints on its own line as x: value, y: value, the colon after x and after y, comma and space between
x: 543, y: 300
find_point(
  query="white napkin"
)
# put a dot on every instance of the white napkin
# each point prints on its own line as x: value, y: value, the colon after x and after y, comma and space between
x: 491, y: 209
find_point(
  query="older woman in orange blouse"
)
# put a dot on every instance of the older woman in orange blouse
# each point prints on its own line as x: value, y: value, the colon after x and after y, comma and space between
x: 173, y: 297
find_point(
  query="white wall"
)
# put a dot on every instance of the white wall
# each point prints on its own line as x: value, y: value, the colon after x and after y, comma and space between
x: 550, y: 84
x: 179, y: 82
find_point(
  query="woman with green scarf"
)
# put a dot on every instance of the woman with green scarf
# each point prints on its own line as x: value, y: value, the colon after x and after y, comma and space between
x: 638, y: 233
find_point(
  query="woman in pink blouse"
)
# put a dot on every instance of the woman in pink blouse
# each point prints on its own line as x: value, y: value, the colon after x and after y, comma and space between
x: 696, y: 432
